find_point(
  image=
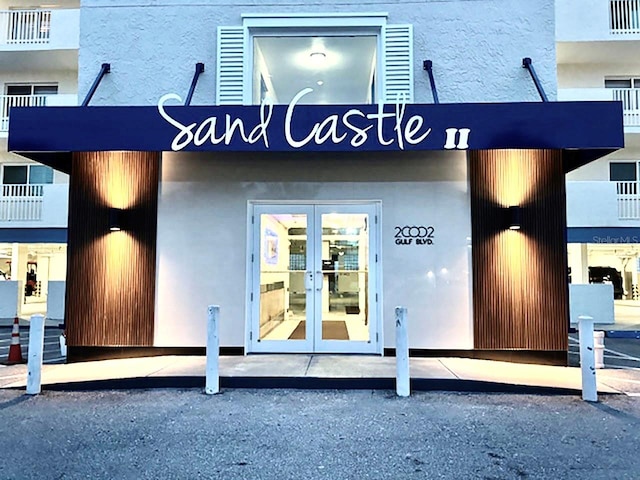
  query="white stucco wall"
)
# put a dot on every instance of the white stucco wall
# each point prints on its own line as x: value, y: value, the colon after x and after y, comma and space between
x: 582, y: 20
x: 202, y: 237
x: 476, y: 46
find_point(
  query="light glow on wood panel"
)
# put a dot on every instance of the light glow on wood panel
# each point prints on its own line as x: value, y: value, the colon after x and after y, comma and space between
x: 520, y: 294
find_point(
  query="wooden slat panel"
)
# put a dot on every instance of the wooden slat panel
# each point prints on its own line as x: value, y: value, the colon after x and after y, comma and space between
x: 520, y: 294
x: 111, y: 275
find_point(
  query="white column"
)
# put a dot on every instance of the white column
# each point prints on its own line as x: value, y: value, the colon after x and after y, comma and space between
x: 584, y: 263
x: 212, y: 383
x: 579, y: 263
x: 15, y: 261
x: 403, y: 388
x: 587, y: 359
x: 34, y: 362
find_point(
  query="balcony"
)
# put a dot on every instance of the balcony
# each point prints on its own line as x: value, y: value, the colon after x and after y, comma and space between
x: 8, y: 101
x: 37, y: 206
x: 630, y: 98
x: 39, y: 29
x: 603, y: 204
x: 624, y: 17
x: 597, y: 20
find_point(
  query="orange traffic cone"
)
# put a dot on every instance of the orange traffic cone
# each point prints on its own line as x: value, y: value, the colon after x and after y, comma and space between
x: 15, y: 352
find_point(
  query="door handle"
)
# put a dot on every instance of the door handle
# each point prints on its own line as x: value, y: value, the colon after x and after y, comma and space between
x: 308, y: 280
x: 321, y: 277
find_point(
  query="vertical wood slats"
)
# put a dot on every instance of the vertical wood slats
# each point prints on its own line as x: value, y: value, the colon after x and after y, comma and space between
x: 111, y: 275
x: 520, y: 293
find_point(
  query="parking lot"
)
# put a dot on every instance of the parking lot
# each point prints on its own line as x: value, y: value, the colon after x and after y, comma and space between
x: 51, y: 344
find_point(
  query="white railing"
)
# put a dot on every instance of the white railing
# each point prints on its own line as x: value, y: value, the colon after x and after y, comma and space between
x: 630, y: 98
x: 624, y: 16
x: 21, y: 203
x: 8, y: 101
x: 628, y: 200
x: 20, y: 27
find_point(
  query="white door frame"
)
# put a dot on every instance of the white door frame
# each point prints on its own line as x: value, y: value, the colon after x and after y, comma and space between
x: 313, y: 342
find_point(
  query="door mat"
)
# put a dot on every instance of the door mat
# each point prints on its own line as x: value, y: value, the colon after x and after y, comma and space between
x: 331, y: 330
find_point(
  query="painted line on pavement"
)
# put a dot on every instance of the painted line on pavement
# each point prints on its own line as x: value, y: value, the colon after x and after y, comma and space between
x: 620, y: 354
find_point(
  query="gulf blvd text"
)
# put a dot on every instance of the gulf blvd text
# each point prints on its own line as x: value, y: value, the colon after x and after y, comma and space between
x: 353, y: 127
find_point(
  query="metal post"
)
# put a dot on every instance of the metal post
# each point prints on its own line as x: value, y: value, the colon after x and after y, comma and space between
x: 526, y: 63
x: 428, y: 66
x: 212, y: 384
x: 36, y: 347
x: 104, y: 69
x: 587, y: 359
x: 403, y: 388
x: 194, y: 82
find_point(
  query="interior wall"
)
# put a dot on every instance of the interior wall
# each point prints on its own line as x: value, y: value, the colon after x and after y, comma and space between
x: 520, y: 293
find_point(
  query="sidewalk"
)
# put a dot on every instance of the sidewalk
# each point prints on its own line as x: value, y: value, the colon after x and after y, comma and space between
x: 322, y: 371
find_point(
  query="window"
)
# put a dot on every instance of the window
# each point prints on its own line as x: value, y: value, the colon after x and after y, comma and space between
x: 32, y: 89
x: 622, y: 171
x: 26, y: 175
x: 339, y: 69
x: 344, y: 58
x: 625, y: 176
x: 628, y: 82
x: 24, y: 95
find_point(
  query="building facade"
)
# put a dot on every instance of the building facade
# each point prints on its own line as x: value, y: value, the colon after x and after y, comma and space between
x: 309, y: 168
x: 38, y: 67
x: 597, y: 45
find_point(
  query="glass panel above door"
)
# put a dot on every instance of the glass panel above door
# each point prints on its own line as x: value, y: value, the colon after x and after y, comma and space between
x: 339, y: 69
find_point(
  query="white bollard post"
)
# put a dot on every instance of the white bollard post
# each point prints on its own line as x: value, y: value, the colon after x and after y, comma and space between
x: 403, y: 388
x: 36, y: 348
x: 212, y: 382
x: 587, y: 359
x: 598, y: 348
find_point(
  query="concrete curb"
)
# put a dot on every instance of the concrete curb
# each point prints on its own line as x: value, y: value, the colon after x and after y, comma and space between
x: 309, y: 383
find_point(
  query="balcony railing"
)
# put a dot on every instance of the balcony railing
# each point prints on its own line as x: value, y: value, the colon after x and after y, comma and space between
x: 8, y: 101
x: 25, y: 26
x: 35, y: 205
x: 624, y: 16
x: 628, y: 200
x: 630, y: 98
x: 39, y: 29
x: 22, y: 203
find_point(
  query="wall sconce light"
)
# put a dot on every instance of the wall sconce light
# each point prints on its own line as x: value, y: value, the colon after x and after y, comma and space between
x: 514, y: 217
x: 115, y: 219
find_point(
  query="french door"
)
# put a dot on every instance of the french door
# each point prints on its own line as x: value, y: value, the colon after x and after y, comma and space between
x: 314, y: 278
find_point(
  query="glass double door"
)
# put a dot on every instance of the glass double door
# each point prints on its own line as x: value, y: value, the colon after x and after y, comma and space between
x: 314, y: 279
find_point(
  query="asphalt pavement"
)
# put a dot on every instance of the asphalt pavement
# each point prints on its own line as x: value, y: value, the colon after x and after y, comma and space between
x: 293, y: 434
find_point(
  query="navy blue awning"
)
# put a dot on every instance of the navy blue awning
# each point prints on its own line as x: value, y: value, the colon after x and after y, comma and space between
x: 586, y: 130
x: 33, y: 235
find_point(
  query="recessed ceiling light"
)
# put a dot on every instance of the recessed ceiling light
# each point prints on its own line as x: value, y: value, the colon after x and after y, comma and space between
x: 320, y: 83
x: 318, y: 58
